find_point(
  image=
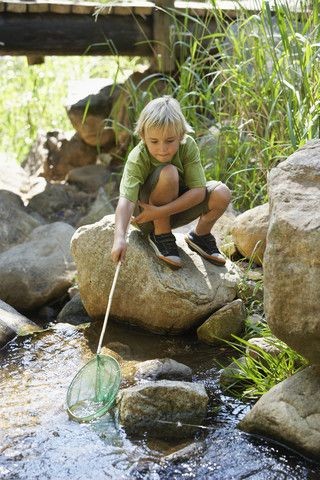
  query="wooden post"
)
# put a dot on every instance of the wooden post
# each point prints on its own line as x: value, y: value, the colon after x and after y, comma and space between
x: 162, y: 35
x: 35, y: 60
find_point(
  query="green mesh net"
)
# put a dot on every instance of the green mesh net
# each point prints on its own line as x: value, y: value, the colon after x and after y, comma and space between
x: 93, y: 390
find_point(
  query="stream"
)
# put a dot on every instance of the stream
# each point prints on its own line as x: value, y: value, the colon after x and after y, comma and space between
x: 38, y: 441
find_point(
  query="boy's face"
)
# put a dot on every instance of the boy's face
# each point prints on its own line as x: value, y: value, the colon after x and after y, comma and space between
x: 162, y: 144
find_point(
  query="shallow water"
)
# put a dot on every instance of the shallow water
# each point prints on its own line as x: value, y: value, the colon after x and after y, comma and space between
x: 38, y: 441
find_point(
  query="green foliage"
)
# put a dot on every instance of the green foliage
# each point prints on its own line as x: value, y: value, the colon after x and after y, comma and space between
x: 253, y: 370
x: 257, y: 81
x: 256, y: 370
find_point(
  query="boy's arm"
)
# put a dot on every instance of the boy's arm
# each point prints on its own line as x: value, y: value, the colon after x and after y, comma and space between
x: 124, y: 213
x: 189, y: 199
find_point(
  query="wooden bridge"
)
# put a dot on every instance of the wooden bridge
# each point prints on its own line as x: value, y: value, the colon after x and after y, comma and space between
x: 133, y: 28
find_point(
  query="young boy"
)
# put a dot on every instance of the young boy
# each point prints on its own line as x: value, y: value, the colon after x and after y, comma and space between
x: 164, y: 176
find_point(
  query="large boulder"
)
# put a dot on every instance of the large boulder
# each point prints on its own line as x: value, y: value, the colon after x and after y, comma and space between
x: 148, y: 293
x: 165, y: 409
x: 250, y: 232
x: 12, y: 323
x: 15, y: 222
x: 291, y: 263
x: 40, y: 269
x: 290, y: 412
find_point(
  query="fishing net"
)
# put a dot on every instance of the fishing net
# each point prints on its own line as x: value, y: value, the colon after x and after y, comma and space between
x: 93, y: 390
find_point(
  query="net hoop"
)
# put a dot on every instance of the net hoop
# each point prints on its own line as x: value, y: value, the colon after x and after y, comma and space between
x: 103, y: 374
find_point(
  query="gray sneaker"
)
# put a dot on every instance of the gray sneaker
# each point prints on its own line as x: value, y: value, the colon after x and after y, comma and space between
x: 206, y: 246
x: 166, y: 248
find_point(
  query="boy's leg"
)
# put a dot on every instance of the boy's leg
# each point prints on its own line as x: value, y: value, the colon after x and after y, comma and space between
x: 162, y: 187
x: 165, y: 191
x: 219, y: 200
x: 200, y: 239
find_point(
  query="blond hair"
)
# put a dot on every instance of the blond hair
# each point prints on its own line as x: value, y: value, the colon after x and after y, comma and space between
x: 163, y: 112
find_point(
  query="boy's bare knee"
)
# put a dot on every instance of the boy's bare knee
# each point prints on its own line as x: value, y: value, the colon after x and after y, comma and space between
x: 169, y: 173
x: 220, y: 197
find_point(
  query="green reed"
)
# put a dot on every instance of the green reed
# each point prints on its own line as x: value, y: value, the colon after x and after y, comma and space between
x: 255, y: 370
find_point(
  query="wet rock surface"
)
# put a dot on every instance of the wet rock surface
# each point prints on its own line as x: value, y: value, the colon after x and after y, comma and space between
x: 163, y: 409
x: 290, y: 412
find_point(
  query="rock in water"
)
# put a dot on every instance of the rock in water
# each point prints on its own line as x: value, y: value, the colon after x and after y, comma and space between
x: 164, y: 409
x: 290, y: 412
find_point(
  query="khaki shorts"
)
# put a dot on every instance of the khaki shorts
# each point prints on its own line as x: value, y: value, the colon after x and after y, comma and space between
x: 178, y: 219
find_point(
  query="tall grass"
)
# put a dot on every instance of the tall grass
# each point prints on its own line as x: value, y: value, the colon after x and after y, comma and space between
x: 251, y: 88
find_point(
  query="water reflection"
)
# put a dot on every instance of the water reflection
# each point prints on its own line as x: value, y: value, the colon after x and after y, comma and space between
x: 38, y: 441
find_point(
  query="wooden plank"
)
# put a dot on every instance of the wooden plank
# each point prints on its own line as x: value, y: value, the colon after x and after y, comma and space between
x: 38, y: 7
x: 61, y: 8
x: 72, y: 34
x: 84, y: 8
x: 143, y: 10
x: 15, y: 7
x: 121, y: 9
x: 126, y: 8
x: 200, y: 9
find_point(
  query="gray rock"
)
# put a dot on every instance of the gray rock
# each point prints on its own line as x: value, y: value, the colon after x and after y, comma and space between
x: 15, y: 222
x: 74, y: 312
x: 39, y: 270
x: 250, y: 231
x: 186, y: 453
x: 121, y: 349
x: 12, y: 323
x: 164, y: 409
x: 291, y: 265
x: 290, y: 412
x: 148, y: 294
x: 224, y: 323
x: 267, y: 345
x: 164, y: 368
x: 89, y: 178
x: 229, y: 374
x: 102, y: 206
x: 60, y: 202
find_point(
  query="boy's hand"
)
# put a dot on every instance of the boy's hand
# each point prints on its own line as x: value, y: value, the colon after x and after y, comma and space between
x: 148, y: 214
x: 119, y: 249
